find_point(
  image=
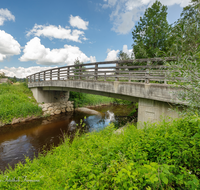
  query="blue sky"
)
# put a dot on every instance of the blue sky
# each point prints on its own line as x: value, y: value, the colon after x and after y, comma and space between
x: 39, y: 34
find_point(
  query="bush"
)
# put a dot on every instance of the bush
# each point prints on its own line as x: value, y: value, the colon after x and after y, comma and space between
x: 162, y: 156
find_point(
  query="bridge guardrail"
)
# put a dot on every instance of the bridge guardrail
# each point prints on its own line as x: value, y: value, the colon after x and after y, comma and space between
x: 118, y: 70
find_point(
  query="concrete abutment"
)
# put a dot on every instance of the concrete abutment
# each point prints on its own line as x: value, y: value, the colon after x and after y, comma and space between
x: 154, y: 100
x: 49, y: 96
x: 153, y: 111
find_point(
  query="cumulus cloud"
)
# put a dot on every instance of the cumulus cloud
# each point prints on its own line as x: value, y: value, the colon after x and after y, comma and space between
x: 35, y: 51
x: 5, y: 15
x: 93, y: 59
x: 8, y: 45
x: 58, y: 32
x: 76, y: 21
x: 112, y: 54
x: 22, y: 72
x: 126, y: 12
x: 129, y: 52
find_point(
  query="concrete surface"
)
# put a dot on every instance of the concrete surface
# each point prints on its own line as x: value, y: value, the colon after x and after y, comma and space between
x: 155, y: 100
x: 49, y: 96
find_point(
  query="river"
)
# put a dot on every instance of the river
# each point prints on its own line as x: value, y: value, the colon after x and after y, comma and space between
x: 31, y: 138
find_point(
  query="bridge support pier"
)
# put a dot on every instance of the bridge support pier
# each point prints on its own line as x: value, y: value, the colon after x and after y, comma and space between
x: 153, y: 111
x: 49, y: 96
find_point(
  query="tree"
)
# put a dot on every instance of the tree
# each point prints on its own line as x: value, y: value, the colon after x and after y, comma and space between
x: 151, y: 34
x: 124, y: 56
x: 185, y: 32
x: 77, y: 70
x: 2, y: 74
x: 186, y: 35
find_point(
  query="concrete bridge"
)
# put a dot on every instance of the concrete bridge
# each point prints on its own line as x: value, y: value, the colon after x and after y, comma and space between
x: 145, y: 84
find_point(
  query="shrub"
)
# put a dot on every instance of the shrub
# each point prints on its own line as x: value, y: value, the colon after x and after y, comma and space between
x: 160, y: 156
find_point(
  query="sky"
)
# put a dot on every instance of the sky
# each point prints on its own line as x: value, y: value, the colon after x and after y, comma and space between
x: 36, y: 35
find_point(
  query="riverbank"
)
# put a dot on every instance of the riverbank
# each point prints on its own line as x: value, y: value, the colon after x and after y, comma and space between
x: 17, y: 104
x: 162, y: 156
x: 84, y: 100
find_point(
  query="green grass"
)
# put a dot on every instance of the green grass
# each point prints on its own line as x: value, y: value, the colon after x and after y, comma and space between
x: 162, y: 156
x: 83, y: 99
x: 16, y: 101
x: 92, y: 100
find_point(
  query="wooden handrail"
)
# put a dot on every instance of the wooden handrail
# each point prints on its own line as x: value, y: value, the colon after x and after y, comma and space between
x: 103, y: 70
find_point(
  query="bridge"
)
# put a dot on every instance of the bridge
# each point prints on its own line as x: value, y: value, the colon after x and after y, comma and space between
x: 132, y: 80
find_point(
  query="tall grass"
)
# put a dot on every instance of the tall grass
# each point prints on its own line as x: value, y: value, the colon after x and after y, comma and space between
x: 83, y: 99
x: 16, y: 101
x: 164, y: 156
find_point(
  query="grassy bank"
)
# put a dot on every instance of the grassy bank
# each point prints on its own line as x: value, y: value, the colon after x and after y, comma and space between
x: 16, y: 101
x: 164, y: 156
x: 83, y: 99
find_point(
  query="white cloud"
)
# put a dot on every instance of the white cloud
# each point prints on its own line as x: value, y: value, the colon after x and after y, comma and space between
x: 22, y: 72
x: 93, y: 59
x: 35, y: 51
x: 126, y: 12
x: 129, y: 52
x: 5, y: 14
x: 59, y: 32
x: 112, y: 54
x: 78, y: 22
x: 8, y: 45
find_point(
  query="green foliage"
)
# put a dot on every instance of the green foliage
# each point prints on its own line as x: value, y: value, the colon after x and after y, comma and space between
x: 186, y: 45
x: 188, y: 68
x: 185, y: 32
x: 16, y: 101
x: 122, y: 102
x: 151, y: 34
x: 77, y: 70
x: 164, y: 156
x: 134, y: 110
x: 2, y: 75
x: 124, y: 56
x: 82, y: 99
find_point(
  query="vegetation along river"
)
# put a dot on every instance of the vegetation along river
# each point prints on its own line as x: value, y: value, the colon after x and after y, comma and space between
x: 33, y: 137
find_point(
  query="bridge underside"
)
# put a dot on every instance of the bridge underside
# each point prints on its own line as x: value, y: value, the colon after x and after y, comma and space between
x: 154, y: 99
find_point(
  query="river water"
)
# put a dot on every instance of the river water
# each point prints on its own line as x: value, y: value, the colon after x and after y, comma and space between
x: 30, y: 138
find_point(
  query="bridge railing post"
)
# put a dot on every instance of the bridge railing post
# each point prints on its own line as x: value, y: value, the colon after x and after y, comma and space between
x: 39, y: 77
x: 96, y: 72
x: 34, y: 78
x: 50, y: 74
x: 68, y: 69
x: 58, y: 73
x: 117, y: 72
x: 165, y: 81
x: 44, y: 75
x: 147, y: 76
x: 80, y: 70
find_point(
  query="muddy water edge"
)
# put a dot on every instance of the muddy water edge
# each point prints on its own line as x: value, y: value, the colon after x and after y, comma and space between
x: 33, y: 137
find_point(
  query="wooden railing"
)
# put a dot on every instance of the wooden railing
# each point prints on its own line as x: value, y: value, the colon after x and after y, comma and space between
x: 120, y: 70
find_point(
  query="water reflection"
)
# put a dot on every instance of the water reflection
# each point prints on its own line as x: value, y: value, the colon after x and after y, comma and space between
x: 30, y: 138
